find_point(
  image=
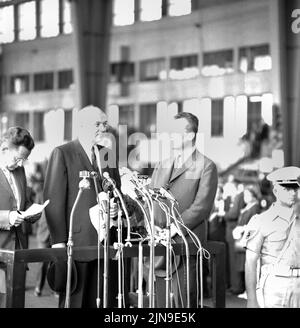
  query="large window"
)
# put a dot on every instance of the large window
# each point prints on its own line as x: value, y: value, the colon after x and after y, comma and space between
x: 253, y: 113
x: 38, y: 126
x: 148, y: 118
x: 255, y: 58
x: 217, y: 63
x: 126, y: 115
x: 68, y: 124
x: 153, y: 69
x: 22, y: 119
x: 67, y: 22
x: 150, y: 10
x: 217, y: 114
x: 65, y: 79
x: 122, y: 72
x: 180, y: 7
x: 184, y: 67
x: 19, y: 84
x: 27, y: 20
x: 7, y: 24
x: 49, y: 18
x: 123, y: 12
x: 43, y: 81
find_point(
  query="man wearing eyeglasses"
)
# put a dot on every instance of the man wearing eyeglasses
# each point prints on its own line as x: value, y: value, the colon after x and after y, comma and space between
x: 15, y: 146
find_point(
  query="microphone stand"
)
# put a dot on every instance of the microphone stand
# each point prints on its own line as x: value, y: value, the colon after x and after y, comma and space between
x: 98, y: 299
x: 119, y: 246
x: 187, y: 252
x: 105, y: 254
x: 168, y: 245
x: 83, y: 184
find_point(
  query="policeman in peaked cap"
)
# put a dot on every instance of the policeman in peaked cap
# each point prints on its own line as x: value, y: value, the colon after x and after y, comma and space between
x: 272, y: 239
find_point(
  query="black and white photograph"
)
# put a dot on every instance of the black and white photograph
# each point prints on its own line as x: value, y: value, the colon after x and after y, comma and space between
x: 149, y: 156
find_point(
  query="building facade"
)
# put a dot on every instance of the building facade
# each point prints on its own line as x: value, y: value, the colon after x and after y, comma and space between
x: 216, y: 59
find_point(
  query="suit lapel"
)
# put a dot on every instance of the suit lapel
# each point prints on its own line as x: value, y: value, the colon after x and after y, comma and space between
x: 17, y: 173
x: 82, y: 156
x: 5, y: 183
x: 186, y: 165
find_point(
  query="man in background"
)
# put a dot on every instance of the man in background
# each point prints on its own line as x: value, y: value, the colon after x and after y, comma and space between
x: 192, y: 179
x: 15, y: 146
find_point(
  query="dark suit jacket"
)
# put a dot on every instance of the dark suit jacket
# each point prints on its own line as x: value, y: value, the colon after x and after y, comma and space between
x: 194, y: 187
x: 61, y: 187
x: 13, y: 238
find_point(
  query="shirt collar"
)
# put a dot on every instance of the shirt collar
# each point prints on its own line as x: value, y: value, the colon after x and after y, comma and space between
x: 283, y: 212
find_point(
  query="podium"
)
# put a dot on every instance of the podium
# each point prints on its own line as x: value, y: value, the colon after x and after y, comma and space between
x: 16, y: 263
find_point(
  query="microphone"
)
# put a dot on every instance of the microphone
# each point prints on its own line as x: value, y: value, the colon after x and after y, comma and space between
x: 108, y: 184
x: 103, y: 200
x: 155, y: 194
x: 84, y: 183
x: 167, y: 194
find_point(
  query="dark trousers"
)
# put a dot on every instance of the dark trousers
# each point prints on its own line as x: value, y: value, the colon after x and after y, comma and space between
x: 179, y: 283
x: 86, y: 292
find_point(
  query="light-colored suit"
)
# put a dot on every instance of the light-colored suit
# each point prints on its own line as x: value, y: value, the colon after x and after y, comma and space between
x: 194, y: 186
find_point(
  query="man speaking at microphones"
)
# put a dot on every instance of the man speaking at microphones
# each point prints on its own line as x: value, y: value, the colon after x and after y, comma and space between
x: 87, y: 153
x: 191, y: 179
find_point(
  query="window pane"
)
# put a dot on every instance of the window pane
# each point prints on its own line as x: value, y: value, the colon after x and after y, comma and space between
x: 217, y: 63
x: 68, y: 125
x: 22, y: 119
x: 65, y: 79
x: 126, y: 115
x: 180, y: 7
x: 49, y: 18
x: 151, y: 10
x: 27, y: 21
x: 255, y: 58
x: 38, y: 126
x: 67, y: 17
x: 184, y: 67
x: 7, y: 24
x: 217, y: 118
x: 148, y: 118
x: 154, y: 69
x: 43, y: 81
x: 123, y: 12
x: 253, y: 113
x: 19, y: 84
x: 122, y: 72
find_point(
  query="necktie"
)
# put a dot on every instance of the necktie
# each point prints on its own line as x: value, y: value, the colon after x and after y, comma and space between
x: 96, y: 168
x: 9, y: 177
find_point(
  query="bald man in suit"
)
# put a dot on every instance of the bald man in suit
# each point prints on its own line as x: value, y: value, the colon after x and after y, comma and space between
x: 192, y: 179
x: 61, y: 187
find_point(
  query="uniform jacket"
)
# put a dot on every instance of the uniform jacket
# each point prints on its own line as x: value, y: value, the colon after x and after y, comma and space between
x: 61, y: 188
x: 194, y: 186
x: 12, y: 237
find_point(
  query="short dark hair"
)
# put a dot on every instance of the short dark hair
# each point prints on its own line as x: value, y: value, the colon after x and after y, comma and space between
x: 17, y: 136
x: 191, y: 118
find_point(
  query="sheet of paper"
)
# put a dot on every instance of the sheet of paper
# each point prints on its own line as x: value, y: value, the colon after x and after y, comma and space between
x: 35, y: 209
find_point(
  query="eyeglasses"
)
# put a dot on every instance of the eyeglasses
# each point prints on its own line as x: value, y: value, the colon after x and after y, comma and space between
x: 20, y: 159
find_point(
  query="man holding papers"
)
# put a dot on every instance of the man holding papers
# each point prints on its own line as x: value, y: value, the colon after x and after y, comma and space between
x: 15, y: 147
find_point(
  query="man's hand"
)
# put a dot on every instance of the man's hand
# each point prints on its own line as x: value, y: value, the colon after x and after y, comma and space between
x: 15, y: 219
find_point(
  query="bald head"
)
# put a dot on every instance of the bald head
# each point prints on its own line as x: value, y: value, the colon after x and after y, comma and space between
x: 92, y: 123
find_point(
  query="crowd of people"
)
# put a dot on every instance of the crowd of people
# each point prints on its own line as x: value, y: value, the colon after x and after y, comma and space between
x: 235, y: 203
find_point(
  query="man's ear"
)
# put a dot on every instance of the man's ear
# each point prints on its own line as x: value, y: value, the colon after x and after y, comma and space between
x: 191, y: 136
